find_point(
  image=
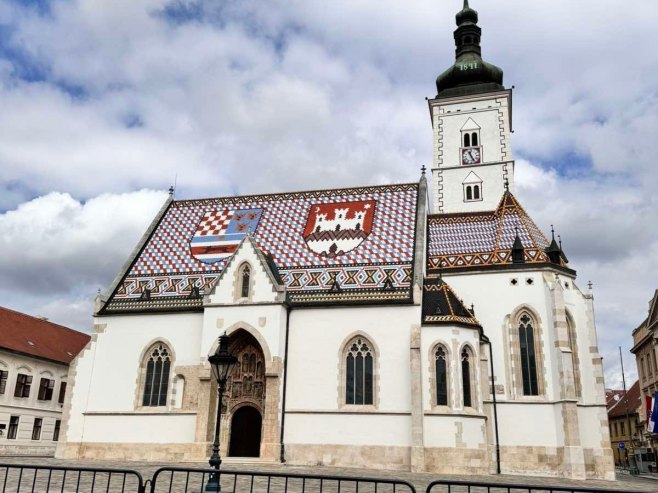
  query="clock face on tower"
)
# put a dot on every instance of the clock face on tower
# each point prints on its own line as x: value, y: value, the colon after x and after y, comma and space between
x: 471, y: 155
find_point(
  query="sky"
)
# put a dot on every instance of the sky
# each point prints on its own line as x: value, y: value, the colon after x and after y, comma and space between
x: 105, y: 105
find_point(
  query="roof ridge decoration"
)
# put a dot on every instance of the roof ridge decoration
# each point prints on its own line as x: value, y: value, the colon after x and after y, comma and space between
x: 485, y: 239
x: 442, y: 306
x: 191, y: 242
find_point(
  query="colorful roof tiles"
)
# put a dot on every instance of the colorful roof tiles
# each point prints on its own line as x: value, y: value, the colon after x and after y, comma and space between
x: 479, y: 239
x: 363, y: 238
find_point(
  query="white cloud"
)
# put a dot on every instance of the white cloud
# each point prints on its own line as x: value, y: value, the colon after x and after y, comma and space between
x: 57, y: 246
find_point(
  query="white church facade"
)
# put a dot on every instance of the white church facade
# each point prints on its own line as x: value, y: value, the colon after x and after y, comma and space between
x: 396, y: 326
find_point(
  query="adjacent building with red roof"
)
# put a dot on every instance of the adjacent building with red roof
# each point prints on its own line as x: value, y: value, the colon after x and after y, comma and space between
x: 35, y: 355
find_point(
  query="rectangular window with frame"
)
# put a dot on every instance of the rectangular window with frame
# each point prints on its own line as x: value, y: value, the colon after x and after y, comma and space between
x: 3, y: 380
x: 36, y: 429
x: 62, y: 392
x: 23, y: 384
x: 46, y: 387
x: 13, y: 428
x: 58, y: 425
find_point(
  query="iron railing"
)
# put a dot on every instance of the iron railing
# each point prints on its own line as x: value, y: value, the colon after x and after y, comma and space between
x: 184, y: 480
x: 23, y: 478
x: 450, y: 486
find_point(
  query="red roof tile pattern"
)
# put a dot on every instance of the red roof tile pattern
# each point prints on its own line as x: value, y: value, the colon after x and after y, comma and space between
x: 37, y: 337
x: 478, y: 239
x: 634, y: 399
x: 363, y: 238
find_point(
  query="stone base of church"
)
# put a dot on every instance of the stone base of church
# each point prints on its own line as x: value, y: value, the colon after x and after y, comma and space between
x: 519, y: 460
x: 558, y: 462
x: 451, y: 460
x: 364, y: 456
x: 599, y: 464
x: 164, y: 452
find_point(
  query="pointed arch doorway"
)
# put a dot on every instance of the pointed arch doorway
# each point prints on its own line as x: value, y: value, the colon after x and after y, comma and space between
x: 246, y: 397
x: 246, y: 424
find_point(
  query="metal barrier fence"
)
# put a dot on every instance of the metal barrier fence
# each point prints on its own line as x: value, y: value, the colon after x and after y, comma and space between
x: 20, y: 478
x: 183, y: 480
x: 447, y: 486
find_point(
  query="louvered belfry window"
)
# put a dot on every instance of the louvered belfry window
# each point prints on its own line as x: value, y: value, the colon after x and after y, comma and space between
x: 359, y: 372
x: 156, y: 383
x: 441, y: 377
x: 528, y: 357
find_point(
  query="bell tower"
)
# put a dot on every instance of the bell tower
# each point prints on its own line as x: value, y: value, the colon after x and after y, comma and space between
x: 471, y: 114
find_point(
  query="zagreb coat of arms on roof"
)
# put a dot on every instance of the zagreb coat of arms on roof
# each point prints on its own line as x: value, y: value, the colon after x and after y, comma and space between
x: 219, y: 233
x: 335, y: 229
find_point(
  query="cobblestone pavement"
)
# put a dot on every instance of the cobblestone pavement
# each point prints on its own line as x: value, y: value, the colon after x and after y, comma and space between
x: 195, y: 482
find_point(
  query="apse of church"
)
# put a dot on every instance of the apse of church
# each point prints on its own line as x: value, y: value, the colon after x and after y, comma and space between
x: 424, y: 326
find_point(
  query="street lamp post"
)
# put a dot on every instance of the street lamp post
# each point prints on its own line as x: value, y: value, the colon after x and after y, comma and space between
x: 220, y: 363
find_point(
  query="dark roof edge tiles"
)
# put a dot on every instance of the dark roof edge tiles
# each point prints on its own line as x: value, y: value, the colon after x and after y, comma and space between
x: 134, y: 254
x: 442, y: 306
x: 302, y: 194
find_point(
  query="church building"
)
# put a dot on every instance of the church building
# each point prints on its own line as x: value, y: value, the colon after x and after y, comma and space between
x: 403, y: 326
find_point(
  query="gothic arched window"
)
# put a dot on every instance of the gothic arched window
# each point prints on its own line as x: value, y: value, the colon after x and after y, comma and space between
x: 575, y: 361
x: 469, y: 193
x: 474, y: 139
x: 245, y: 280
x: 466, y: 378
x: 441, y: 375
x: 359, y: 372
x: 467, y: 140
x: 156, y: 381
x: 476, y: 192
x: 528, y: 356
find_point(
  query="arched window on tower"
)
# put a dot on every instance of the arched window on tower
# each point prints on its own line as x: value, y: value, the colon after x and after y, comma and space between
x: 359, y: 372
x: 245, y: 280
x: 469, y: 193
x: 476, y: 192
x: 467, y: 140
x: 466, y: 377
x: 156, y: 379
x: 528, y: 356
x: 474, y: 139
x: 441, y: 374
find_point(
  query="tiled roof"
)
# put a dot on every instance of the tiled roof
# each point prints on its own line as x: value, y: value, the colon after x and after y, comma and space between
x: 361, y: 237
x: 37, y: 337
x: 442, y: 306
x: 634, y: 397
x: 474, y: 240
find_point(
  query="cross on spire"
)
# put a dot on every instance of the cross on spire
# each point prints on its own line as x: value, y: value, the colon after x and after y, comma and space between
x: 506, y: 182
x: 423, y: 169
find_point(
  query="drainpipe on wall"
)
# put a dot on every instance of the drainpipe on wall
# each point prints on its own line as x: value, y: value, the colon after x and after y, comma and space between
x: 282, y: 456
x: 486, y: 340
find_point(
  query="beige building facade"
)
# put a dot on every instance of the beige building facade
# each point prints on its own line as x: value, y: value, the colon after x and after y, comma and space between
x: 34, y: 359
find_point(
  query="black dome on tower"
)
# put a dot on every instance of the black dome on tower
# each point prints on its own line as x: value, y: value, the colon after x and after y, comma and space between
x: 470, y: 74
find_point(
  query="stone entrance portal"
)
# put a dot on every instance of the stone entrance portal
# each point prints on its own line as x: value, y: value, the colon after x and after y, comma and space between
x: 245, y: 432
x: 245, y: 399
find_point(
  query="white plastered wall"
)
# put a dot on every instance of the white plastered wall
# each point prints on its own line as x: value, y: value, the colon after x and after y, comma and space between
x: 107, y: 378
x: 313, y: 404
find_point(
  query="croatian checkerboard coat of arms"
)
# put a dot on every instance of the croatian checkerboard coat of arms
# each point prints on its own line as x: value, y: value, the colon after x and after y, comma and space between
x: 219, y: 233
x: 335, y: 229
